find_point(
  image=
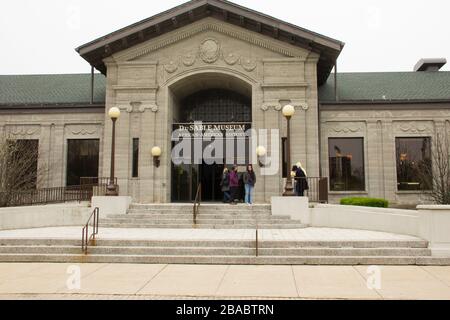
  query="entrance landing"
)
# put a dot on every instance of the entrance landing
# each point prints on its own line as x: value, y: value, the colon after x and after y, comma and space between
x: 306, y: 234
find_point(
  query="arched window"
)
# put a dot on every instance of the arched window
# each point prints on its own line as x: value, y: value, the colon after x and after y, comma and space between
x: 216, y: 105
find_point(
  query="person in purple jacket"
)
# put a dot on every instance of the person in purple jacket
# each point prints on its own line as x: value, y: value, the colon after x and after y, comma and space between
x: 234, y: 184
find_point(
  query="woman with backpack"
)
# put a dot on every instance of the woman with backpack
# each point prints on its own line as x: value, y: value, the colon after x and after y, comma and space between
x: 225, y: 184
x: 234, y: 184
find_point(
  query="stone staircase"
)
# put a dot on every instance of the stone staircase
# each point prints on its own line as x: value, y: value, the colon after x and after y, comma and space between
x: 211, y: 216
x: 126, y: 244
x: 396, y: 252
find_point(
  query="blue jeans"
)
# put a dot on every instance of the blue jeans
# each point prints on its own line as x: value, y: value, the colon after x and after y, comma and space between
x: 226, y: 196
x: 249, y: 194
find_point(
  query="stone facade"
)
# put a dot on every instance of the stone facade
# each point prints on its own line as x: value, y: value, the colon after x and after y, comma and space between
x: 53, y: 129
x: 380, y: 125
x: 146, y: 82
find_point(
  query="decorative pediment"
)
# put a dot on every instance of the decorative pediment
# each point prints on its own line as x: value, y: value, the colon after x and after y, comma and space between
x: 209, y: 49
x: 246, y: 21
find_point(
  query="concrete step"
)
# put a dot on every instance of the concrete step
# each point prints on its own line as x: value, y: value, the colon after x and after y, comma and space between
x: 217, y: 251
x: 263, y: 244
x: 204, y: 226
x: 203, y: 206
x: 215, y: 215
x: 201, y: 221
x: 234, y: 260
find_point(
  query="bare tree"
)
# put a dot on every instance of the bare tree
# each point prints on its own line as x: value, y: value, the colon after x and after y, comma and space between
x: 18, y: 167
x: 438, y: 170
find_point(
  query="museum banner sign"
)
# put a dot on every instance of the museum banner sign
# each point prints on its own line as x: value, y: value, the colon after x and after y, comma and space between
x: 200, y: 130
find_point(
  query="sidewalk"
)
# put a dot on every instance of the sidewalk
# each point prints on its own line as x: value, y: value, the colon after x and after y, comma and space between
x: 120, y: 281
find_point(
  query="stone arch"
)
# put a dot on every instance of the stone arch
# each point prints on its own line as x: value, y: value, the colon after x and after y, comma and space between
x: 186, y: 85
x: 200, y: 79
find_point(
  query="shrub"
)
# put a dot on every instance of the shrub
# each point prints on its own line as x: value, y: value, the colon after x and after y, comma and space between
x: 365, y: 202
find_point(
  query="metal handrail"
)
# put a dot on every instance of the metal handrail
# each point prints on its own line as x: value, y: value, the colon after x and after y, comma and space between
x: 197, y: 202
x: 257, y: 242
x: 318, y: 188
x: 44, y: 196
x: 85, y: 236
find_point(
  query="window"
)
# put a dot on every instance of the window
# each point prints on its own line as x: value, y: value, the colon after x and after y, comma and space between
x: 284, y: 157
x: 135, y: 164
x: 413, y: 163
x: 346, y: 164
x: 82, y: 160
x: 22, y: 169
x: 217, y: 105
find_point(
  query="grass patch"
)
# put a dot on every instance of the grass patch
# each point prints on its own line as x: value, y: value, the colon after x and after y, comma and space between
x: 365, y: 202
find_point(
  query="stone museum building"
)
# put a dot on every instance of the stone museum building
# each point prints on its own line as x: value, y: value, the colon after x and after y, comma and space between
x: 215, y: 62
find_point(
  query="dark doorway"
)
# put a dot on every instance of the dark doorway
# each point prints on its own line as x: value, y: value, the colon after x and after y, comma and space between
x: 210, y: 177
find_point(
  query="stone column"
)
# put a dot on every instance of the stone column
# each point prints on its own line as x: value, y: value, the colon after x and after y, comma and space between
x: 389, y: 161
x: 375, y: 166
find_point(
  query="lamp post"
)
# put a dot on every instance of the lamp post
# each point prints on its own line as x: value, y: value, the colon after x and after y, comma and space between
x: 288, y: 113
x: 114, y: 114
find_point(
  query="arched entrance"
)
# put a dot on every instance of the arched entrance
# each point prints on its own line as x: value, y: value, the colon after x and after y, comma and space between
x: 207, y: 108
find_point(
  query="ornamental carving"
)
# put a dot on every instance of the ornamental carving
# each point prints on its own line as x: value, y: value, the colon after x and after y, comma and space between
x: 231, y: 59
x: 152, y: 107
x: 82, y: 130
x: 171, y: 67
x: 414, y: 127
x: 248, y: 64
x: 210, y: 50
x: 300, y: 105
x: 345, y: 128
x: 142, y: 107
x: 24, y: 130
x: 189, y: 60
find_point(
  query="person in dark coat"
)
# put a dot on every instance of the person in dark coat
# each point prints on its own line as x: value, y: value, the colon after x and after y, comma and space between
x: 234, y: 184
x: 294, y: 171
x: 225, y: 184
x: 301, y: 181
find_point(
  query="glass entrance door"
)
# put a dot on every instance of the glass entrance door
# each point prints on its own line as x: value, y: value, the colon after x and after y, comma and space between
x: 210, y: 177
x: 186, y: 178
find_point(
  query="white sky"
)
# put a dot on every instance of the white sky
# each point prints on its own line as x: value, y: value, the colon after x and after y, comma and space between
x: 382, y: 35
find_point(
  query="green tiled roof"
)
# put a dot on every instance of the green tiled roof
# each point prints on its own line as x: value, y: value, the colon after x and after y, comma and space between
x: 51, y: 89
x: 379, y: 86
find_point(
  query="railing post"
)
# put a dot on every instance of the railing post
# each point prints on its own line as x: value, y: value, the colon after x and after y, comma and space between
x: 256, y: 243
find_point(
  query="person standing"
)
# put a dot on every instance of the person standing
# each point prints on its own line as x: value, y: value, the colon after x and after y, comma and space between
x: 234, y: 184
x: 302, y: 180
x: 249, y: 182
x: 294, y: 174
x: 225, y: 184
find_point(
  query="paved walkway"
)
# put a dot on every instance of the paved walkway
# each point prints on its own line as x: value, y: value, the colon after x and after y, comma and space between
x: 307, y: 234
x: 120, y: 281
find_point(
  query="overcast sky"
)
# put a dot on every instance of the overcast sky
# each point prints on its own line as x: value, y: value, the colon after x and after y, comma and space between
x: 382, y: 35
